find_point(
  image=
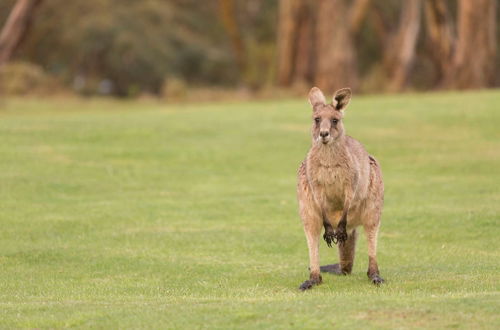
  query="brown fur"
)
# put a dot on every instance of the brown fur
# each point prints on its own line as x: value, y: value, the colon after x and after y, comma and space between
x: 339, y: 188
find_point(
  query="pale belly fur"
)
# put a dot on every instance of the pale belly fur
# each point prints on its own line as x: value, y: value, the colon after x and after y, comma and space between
x: 329, y: 194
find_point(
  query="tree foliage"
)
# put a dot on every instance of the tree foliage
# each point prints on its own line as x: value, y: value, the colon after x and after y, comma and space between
x: 135, y: 46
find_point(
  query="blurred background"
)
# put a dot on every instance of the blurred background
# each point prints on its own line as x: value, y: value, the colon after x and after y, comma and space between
x: 248, y: 48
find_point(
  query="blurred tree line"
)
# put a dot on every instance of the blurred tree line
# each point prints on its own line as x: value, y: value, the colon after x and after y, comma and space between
x: 127, y: 47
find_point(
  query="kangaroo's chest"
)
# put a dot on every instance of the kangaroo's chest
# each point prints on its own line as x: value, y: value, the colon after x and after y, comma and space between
x: 327, y: 181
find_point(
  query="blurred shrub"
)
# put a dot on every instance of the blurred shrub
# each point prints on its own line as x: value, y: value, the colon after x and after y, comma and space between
x: 21, y: 78
x: 260, y: 69
x: 174, y: 89
x: 132, y: 44
x: 128, y: 47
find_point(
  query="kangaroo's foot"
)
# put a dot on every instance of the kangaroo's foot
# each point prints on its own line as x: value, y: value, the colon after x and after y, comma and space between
x: 373, y: 273
x: 314, y: 279
x: 375, y: 278
x: 332, y: 269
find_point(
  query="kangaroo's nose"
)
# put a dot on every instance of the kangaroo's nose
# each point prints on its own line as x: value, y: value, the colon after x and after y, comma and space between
x: 324, y: 134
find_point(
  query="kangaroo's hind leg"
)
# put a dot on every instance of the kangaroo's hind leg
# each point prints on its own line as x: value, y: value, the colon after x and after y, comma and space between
x: 312, y: 229
x: 371, y: 231
x: 371, y: 219
x: 346, y: 257
x: 313, y: 223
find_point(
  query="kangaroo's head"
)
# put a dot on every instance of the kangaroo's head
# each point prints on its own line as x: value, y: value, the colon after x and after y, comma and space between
x: 327, y: 118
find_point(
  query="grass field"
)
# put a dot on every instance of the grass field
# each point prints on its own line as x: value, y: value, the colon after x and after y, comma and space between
x: 119, y: 214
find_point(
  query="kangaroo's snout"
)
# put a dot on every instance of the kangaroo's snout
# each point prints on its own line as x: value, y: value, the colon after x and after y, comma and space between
x: 324, y: 136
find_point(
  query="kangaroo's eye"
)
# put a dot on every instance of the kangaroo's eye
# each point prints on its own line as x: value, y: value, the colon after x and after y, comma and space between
x: 317, y: 120
x: 335, y: 121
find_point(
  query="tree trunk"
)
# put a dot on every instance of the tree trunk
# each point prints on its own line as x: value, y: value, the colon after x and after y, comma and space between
x: 15, y: 28
x: 358, y: 12
x: 305, y: 52
x: 228, y: 15
x: 295, y: 41
x: 440, y: 36
x: 400, y: 53
x: 335, y: 52
x: 473, y: 64
x: 315, y: 42
x: 379, y: 25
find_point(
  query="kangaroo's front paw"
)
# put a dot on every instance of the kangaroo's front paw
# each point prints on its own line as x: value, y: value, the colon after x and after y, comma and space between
x: 341, y: 236
x: 329, y: 237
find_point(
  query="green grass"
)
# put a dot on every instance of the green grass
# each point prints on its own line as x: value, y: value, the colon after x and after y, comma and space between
x: 144, y: 215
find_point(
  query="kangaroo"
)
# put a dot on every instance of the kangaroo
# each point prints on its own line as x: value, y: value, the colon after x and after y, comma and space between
x: 339, y: 188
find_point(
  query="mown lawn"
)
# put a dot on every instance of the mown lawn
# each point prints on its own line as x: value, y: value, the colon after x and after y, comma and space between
x: 137, y: 214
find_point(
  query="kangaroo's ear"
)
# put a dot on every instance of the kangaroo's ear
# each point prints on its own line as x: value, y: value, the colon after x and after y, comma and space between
x: 316, y: 97
x: 341, y: 98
